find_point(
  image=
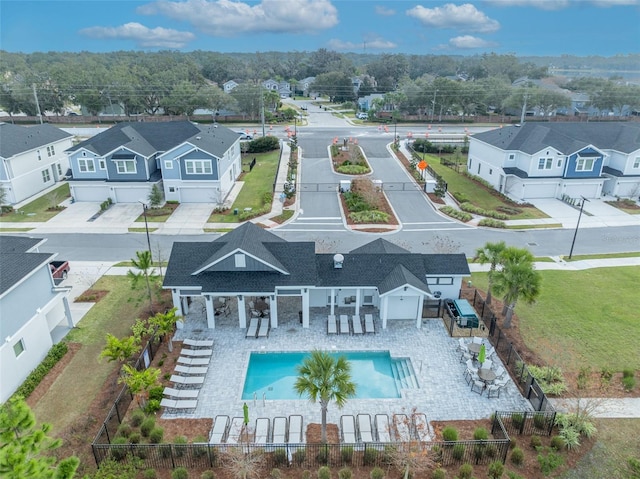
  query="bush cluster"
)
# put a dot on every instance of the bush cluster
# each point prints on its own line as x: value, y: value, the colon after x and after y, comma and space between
x: 36, y: 376
x: 104, y: 206
x: 491, y: 223
x: 469, y: 208
x: 347, y: 168
x: 457, y: 214
x: 371, y: 216
x: 266, y: 143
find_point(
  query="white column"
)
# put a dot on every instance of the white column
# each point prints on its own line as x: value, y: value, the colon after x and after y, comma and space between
x: 333, y: 297
x: 305, y: 308
x: 175, y: 298
x: 420, y: 309
x: 242, y: 312
x: 67, y: 311
x: 384, y: 312
x: 357, y: 313
x: 273, y: 310
x: 211, y: 314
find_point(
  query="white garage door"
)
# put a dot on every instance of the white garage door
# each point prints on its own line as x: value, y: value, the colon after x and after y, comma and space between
x: 403, y: 307
x: 98, y: 192
x: 131, y: 194
x: 540, y: 190
x: 198, y: 195
x: 588, y: 190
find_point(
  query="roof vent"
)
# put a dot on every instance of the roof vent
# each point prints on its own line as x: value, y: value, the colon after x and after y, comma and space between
x: 338, y: 259
x: 198, y: 138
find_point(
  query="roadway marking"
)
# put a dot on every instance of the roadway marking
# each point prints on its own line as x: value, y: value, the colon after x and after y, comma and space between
x: 319, y: 218
x: 429, y: 223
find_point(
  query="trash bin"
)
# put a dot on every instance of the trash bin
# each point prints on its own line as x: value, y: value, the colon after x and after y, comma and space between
x: 300, y: 316
x: 235, y: 211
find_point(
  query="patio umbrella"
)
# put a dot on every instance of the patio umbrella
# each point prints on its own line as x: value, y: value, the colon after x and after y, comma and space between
x: 482, y: 355
x: 245, y: 409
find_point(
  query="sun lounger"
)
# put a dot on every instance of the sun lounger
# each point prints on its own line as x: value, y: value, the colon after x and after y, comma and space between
x: 364, y: 428
x: 190, y: 371
x: 295, y: 430
x: 194, y: 361
x: 356, y: 324
x: 279, y: 430
x: 179, y: 403
x: 181, y: 393
x: 344, y: 324
x: 196, y: 352
x: 401, y: 428
x: 263, y: 332
x: 220, y: 425
x: 382, y: 428
x: 198, y: 343
x: 421, y: 427
x: 369, y: 325
x: 252, y: 330
x: 331, y: 325
x: 348, y: 429
x: 235, y: 430
x: 262, y: 430
x: 188, y: 380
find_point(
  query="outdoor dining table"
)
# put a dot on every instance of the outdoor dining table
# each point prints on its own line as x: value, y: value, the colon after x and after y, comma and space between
x: 487, y: 375
x: 474, y: 348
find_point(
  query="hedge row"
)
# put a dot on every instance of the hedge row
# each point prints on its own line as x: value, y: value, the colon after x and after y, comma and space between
x: 491, y: 223
x: 469, y: 208
x: 55, y: 354
x: 454, y: 213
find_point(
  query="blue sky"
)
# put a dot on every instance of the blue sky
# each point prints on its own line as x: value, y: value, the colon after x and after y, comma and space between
x: 521, y: 27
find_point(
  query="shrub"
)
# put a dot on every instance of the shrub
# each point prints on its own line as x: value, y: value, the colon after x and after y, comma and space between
x: 150, y: 474
x: 496, y: 469
x: 353, y: 169
x: 491, y: 223
x: 369, y: 457
x: 606, y: 374
x: 306, y: 474
x: 152, y: 406
x: 540, y: 421
x: 156, y: 434
x: 141, y: 451
x: 535, y: 442
x: 583, y: 377
x: 458, y: 452
x: 275, y: 473
x: 460, y: 197
x: 156, y: 393
x: 200, y: 447
x: 180, y: 473
x: 345, y: 473
x: 135, y: 438
x: 124, y: 430
x: 119, y: 453
x: 470, y: 208
x: 481, y: 434
x: 266, y: 143
x: 517, y: 420
x: 324, y: 473
x: 513, y: 475
x: 556, y: 443
x: 465, y: 471
x: 550, y: 462
x: 323, y: 456
x: 347, y: 453
x: 492, y: 450
x: 439, y: 474
x: 479, y: 451
x: 628, y: 383
x: 376, y: 473
x: 147, y: 426
x: 457, y: 214
x: 179, y: 446
x: 137, y: 417
x: 517, y: 456
x: 280, y: 456
x: 450, y: 434
x: 371, y: 216
x: 628, y: 373
x: 208, y: 475
x: 36, y: 376
x: 299, y: 456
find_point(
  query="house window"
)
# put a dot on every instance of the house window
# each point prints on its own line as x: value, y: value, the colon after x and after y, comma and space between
x: 198, y: 167
x: 125, y: 167
x: 59, y: 169
x: 168, y: 165
x: 18, y: 348
x: 512, y: 156
x: 479, y: 165
x: 585, y: 164
x: 46, y: 176
x: 172, y: 189
x: 51, y: 150
x: 39, y: 155
x: 559, y: 163
x: 102, y: 163
x: 439, y: 280
x: 545, y: 163
x: 86, y: 165
x: 490, y: 171
x: 636, y: 163
x: 241, y: 260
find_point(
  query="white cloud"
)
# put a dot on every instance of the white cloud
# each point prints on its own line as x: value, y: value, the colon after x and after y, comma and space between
x: 469, y: 42
x: 144, y: 37
x: 463, y: 17
x: 228, y: 18
x: 384, y: 11
x: 561, y: 4
x: 372, y: 44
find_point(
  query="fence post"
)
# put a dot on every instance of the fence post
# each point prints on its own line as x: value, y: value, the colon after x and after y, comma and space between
x: 95, y: 456
x: 106, y: 431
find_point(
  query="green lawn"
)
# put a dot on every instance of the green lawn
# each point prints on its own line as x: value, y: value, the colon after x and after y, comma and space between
x: 85, y: 375
x: 583, y: 318
x: 36, y: 211
x: 257, y: 182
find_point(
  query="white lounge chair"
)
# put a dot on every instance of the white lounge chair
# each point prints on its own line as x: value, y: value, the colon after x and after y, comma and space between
x: 401, y: 428
x: 252, y: 330
x: 356, y: 324
x: 187, y: 380
x: 194, y: 361
x: 348, y: 429
x: 364, y: 428
x: 196, y: 352
x: 263, y: 332
x: 262, y: 430
x: 344, y: 324
x: 198, y: 343
x: 220, y: 425
x: 235, y: 430
x: 191, y: 370
x: 331, y: 325
x: 279, y: 430
x: 382, y: 428
x: 295, y: 430
x: 179, y: 403
x: 369, y: 325
x: 421, y: 427
x: 181, y: 393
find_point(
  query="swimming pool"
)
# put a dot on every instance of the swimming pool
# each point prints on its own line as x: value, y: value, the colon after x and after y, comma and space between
x: 274, y: 374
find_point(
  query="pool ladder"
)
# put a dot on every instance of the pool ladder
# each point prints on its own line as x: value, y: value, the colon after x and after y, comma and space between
x: 255, y: 398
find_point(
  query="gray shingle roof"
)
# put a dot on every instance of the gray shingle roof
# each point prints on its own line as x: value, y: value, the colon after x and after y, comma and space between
x: 16, y: 262
x: 16, y: 139
x: 379, y: 246
x: 565, y: 137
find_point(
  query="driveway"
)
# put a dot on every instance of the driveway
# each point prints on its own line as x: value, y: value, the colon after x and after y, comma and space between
x: 596, y: 213
x: 187, y: 218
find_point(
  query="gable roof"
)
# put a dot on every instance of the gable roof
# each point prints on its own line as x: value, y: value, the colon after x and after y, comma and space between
x: 15, y: 139
x: 379, y: 246
x: 17, y: 260
x: 565, y: 137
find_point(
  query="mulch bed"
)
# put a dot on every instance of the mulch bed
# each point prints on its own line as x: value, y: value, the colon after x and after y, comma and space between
x: 345, y: 156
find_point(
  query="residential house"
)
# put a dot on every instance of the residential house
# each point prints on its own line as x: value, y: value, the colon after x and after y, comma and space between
x: 282, y: 87
x: 199, y: 163
x: 31, y: 159
x: 250, y: 262
x: 33, y: 311
x: 552, y: 160
x: 229, y: 85
x: 305, y: 85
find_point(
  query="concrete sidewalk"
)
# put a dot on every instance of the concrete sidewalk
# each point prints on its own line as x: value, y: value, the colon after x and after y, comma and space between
x: 600, y: 407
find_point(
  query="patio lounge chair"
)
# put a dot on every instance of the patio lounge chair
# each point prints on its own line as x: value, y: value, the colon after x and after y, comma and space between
x: 191, y: 371
x: 344, y: 324
x: 279, y: 430
x: 401, y: 428
x: 196, y: 352
x: 181, y: 393
x: 331, y: 325
x: 382, y: 428
x: 262, y: 430
x: 348, y: 429
x: 421, y: 427
x: 369, y: 325
x: 252, y: 330
x: 194, y: 361
x: 198, y: 343
x: 187, y: 380
x: 263, y: 332
x: 295, y: 430
x: 477, y: 386
x: 356, y: 324
x: 493, y: 390
x: 235, y: 430
x: 364, y: 428
x: 220, y: 425
x: 179, y: 403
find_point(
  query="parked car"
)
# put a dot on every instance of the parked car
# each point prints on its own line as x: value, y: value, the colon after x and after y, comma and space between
x: 59, y: 269
x: 244, y: 136
x: 362, y: 116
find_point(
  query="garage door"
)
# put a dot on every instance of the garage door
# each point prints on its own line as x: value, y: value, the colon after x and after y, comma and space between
x: 198, y: 195
x: 588, y: 190
x: 131, y: 194
x: 97, y: 192
x: 403, y: 307
x: 540, y: 190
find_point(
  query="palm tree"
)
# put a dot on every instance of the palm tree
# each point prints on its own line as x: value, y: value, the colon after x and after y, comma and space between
x: 120, y: 349
x: 139, y: 382
x: 323, y: 378
x: 490, y: 253
x: 517, y: 279
x: 164, y: 324
x: 144, y: 265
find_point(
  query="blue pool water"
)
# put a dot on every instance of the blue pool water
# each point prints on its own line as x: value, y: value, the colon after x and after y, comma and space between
x: 274, y: 374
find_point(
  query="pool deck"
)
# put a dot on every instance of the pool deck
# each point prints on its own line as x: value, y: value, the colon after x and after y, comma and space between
x: 443, y: 393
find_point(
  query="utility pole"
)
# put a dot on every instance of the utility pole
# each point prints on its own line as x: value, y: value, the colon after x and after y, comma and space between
x: 433, y: 104
x: 524, y: 108
x: 35, y: 95
x: 577, y: 225
x: 262, y: 109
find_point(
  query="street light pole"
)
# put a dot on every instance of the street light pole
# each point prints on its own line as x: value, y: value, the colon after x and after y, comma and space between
x: 146, y: 227
x: 575, y: 234
x: 395, y: 131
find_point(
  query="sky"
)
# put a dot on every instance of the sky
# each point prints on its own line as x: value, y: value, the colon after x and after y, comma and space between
x: 520, y: 27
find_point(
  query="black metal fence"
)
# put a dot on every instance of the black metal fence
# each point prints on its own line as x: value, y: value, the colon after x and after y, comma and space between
x: 539, y: 423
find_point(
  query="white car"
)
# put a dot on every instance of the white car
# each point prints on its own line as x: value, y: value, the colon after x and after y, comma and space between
x: 362, y: 116
x: 244, y: 136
